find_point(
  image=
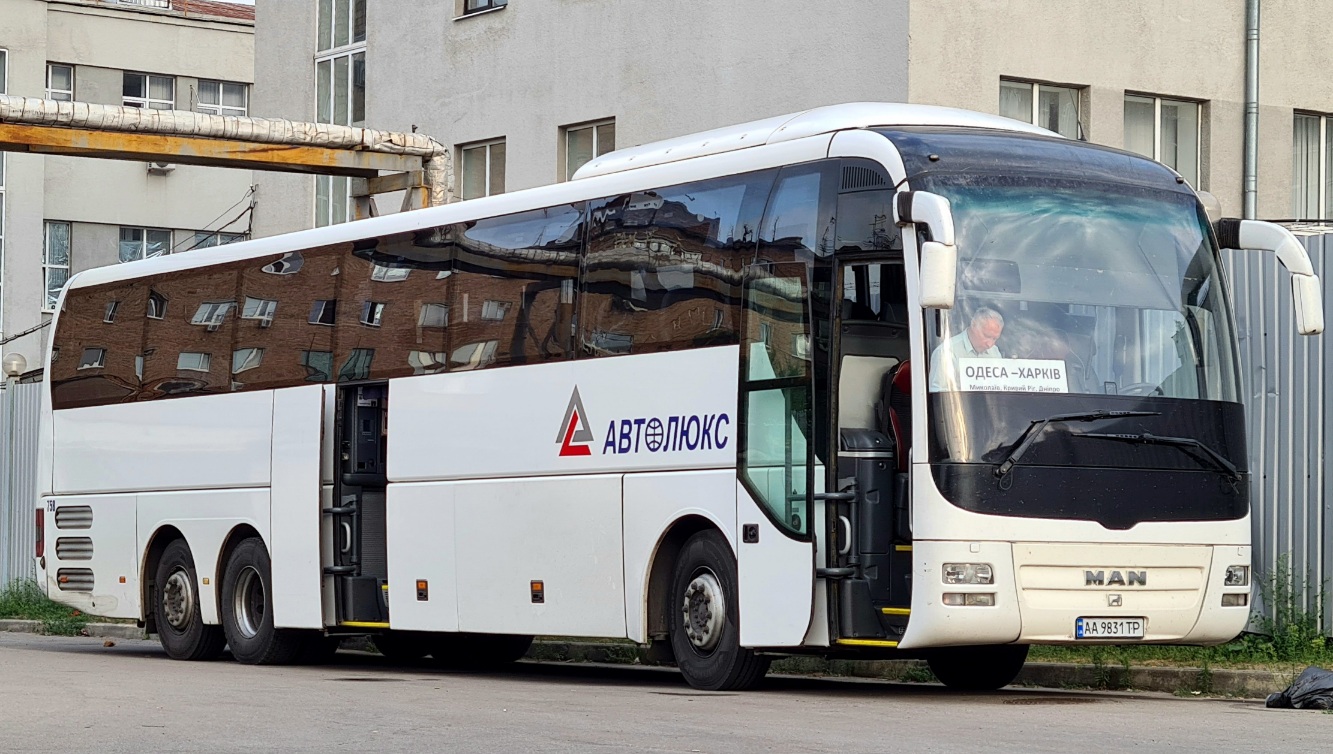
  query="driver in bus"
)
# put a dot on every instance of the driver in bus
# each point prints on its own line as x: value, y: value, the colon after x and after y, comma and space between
x: 977, y: 341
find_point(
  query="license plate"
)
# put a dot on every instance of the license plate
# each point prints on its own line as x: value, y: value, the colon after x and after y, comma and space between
x: 1109, y: 628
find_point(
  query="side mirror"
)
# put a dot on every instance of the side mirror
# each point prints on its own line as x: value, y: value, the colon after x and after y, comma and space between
x: 939, y: 256
x: 1307, y: 297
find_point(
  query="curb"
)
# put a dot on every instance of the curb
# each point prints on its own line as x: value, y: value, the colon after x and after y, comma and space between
x: 1255, y: 684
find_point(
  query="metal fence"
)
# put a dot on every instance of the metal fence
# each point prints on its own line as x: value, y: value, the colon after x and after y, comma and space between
x: 1287, y: 412
x: 18, y: 481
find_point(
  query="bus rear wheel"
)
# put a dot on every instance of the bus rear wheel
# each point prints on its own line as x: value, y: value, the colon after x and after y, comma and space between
x: 180, y: 625
x: 703, y: 618
x: 978, y: 668
x: 478, y: 651
x: 247, y: 609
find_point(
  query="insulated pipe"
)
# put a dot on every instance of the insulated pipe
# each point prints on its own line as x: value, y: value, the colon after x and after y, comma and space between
x: 1251, y: 180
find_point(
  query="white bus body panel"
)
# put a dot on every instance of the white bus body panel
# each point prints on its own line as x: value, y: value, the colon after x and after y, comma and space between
x: 114, y: 556
x: 204, y: 442
x: 294, y: 548
x: 205, y: 518
x: 776, y: 581
x: 652, y: 503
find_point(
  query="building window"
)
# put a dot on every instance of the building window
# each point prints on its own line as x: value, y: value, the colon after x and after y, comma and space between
x: 586, y: 141
x: 1054, y: 108
x: 147, y: 90
x: 223, y: 98
x: 92, y: 358
x: 111, y: 308
x: 427, y: 362
x: 290, y: 264
x: 1312, y: 167
x: 157, y: 305
x: 483, y: 171
x: 495, y: 310
x: 204, y: 239
x: 434, y: 315
x: 357, y: 366
x: 212, y: 314
x: 389, y: 274
x: 60, y: 82
x: 243, y: 359
x: 193, y: 361
x: 1165, y: 130
x: 324, y: 312
x: 144, y: 243
x: 340, y: 92
x: 318, y: 365
x: 372, y: 313
x: 55, y: 262
x: 477, y: 6
x: 261, y: 309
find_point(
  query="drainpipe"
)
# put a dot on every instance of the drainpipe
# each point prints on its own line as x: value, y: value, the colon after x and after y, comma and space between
x: 1251, y: 180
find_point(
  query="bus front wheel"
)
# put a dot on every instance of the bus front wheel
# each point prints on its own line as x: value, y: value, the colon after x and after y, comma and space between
x: 978, y: 668
x: 703, y: 618
x: 180, y: 626
x: 247, y: 609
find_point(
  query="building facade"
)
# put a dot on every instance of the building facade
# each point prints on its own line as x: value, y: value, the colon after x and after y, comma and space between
x: 66, y: 214
x: 525, y: 91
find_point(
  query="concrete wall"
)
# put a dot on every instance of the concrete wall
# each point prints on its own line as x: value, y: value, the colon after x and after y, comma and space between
x: 1188, y: 49
x: 102, y: 42
x: 285, y: 88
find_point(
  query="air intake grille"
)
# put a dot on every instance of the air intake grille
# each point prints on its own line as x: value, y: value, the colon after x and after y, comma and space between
x: 74, y: 548
x: 857, y: 177
x: 74, y: 517
x: 75, y: 579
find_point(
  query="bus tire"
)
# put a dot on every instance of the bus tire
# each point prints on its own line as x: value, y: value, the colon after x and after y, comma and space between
x: 978, y: 668
x: 706, y: 640
x: 247, y: 609
x: 478, y: 651
x: 176, y: 608
x: 402, y: 646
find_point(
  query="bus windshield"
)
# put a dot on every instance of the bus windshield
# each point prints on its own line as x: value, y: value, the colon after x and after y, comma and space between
x: 1094, y: 289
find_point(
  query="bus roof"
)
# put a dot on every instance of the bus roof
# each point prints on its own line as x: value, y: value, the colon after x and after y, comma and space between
x: 819, y: 120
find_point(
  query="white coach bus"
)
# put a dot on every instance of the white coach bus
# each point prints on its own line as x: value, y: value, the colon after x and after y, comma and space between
x: 868, y: 380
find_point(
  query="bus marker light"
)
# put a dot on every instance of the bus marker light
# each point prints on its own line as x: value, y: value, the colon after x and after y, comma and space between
x: 205, y: 581
x: 1238, y: 575
x: 538, y: 593
x: 1235, y: 600
x: 964, y: 599
x: 41, y: 533
x: 122, y: 579
x: 423, y: 590
x: 968, y: 573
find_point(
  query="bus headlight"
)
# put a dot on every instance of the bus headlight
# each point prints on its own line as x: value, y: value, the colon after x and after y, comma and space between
x: 1238, y: 575
x: 968, y: 573
x: 969, y: 599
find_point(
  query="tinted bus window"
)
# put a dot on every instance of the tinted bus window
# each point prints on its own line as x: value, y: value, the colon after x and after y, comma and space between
x: 97, y: 349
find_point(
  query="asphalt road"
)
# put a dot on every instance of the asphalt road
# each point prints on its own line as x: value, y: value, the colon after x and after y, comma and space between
x: 67, y: 695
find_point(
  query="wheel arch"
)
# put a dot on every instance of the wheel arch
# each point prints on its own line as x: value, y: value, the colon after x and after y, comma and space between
x: 237, y: 535
x: 663, y: 566
x: 152, y: 557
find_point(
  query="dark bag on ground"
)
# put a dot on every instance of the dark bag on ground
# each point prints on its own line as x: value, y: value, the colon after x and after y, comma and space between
x: 1312, y: 689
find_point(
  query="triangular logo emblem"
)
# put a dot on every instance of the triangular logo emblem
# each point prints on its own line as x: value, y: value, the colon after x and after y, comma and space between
x: 575, y: 429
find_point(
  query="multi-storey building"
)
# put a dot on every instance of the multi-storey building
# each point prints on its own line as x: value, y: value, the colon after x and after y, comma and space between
x: 60, y: 215
x: 526, y: 91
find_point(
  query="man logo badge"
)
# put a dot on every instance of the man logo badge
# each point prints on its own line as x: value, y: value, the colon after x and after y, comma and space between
x: 575, y: 429
x: 1128, y: 578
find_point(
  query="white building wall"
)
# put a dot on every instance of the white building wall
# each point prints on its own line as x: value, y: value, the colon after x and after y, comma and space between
x: 103, y: 41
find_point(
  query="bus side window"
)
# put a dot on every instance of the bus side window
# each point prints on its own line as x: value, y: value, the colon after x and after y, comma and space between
x: 276, y: 340
x: 661, y: 270
x: 189, y: 324
x: 512, y: 288
x: 101, y: 337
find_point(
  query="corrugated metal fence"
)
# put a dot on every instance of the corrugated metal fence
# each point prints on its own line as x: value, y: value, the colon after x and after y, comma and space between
x: 18, y: 481
x: 1283, y: 376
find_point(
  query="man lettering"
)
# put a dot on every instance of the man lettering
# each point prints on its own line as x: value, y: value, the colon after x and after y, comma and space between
x: 977, y: 341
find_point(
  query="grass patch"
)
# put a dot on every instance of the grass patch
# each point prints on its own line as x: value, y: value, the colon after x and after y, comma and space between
x: 23, y: 600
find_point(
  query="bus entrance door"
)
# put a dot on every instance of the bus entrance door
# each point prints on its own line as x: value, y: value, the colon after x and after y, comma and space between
x: 360, y: 553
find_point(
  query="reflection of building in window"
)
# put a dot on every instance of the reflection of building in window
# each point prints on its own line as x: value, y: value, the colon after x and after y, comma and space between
x: 495, y: 310
x: 611, y: 342
x: 433, y: 315
x: 138, y: 366
x: 800, y: 346
x: 474, y: 355
x: 289, y: 264
x: 324, y: 312
x: 93, y: 358
x: 318, y: 364
x: 111, y: 308
x: 245, y: 358
x: 426, y: 362
x: 357, y: 366
x: 372, y: 313
x: 212, y: 314
x: 389, y: 274
x: 193, y: 361
x: 261, y: 309
x: 157, y: 305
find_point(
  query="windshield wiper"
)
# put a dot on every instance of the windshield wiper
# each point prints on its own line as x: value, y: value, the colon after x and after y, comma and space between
x: 1025, y: 440
x: 1219, y: 461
